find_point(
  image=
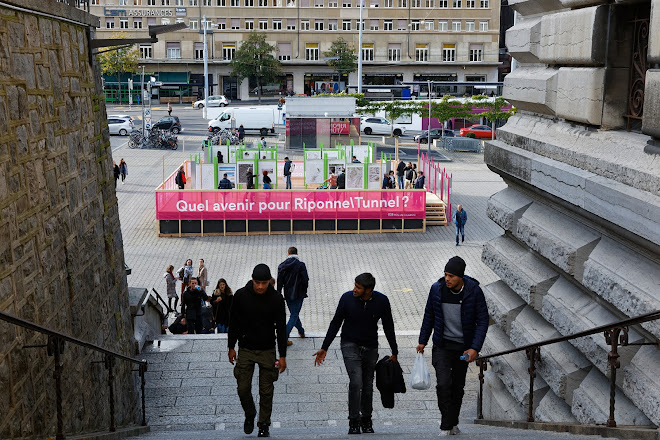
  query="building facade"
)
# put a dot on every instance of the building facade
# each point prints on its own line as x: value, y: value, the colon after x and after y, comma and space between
x: 403, y: 41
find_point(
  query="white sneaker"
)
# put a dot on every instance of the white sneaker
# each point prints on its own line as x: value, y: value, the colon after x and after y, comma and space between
x: 455, y: 430
x: 445, y: 433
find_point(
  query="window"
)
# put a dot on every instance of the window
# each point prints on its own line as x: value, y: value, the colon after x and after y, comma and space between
x: 145, y: 51
x: 388, y: 3
x: 137, y: 23
x: 332, y: 25
x: 178, y: 20
x: 173, y: 51
x: 485, y: 3
x: 318, y: 3
x: 199, y: 51
x: 178, y: 3
x: 443, y: 26
x: 374, y: 25
x: 414, y: 25
x: 367, y: 52
x: 416, y: 3
x: 403, y: 3
x: 421, y: 52
x: 428, y: 25
x: 290, y: 24
x: 476, y: 52
x: 234, y: 2
x: 123, y: 23
x: 394, y: 52
x: 193, y: 3
x: 456, y: 26
x: 149, y: 2
x: 290, y: 3
x: 164, y: 21
x: 483, y: 26
x: 206, y: 24
x: 123, y: 2
x: 221, y: 3
x: 249, y: 3
x: 346, y: 25
x: 360, y: 24
x: 346, y: 4
x: 263, y: 3
x: 388, y: 25
x: 193, y: 24
x: 235, y: 23
x: 443, y: 3
x: 207, y: 3
x: 449, y: 52
x: 469, y: 26
x: 470, y: 3
x: 151, y: 21
x: 374, y: 3
x: 95, y: 2
x: 249, y: 25
x: 304, y: 25
x: 458, y: 3
x: 284, y: 51
x: 263, y: 25
x: 312, y: 51
x: 277, y: 25
x: 228, y: 50
x: 109, y: 23
x: 401, y: 25
x: 429, y: 3
x: 318, y: 25
x: 333, y: 4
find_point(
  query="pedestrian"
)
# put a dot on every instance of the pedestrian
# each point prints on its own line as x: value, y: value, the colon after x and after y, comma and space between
x: 224, y: 182
x: 220, y: 157
x: 123, y: 169
x: 421, y: 179
x: 116, y: 172
x: 221, y: 301
x: 460, y: 218
x: 360, y: 310
x: 386, y: 181
x: 170, y: 281
x: 250, y: 179
x: 354, y: 160
x: 191, y: 307
x: 292, y: 278
x: 202, y: 274
x: 287, y: 172
x: 263, y: 142
x: 185, y: 274
x: 241, y: 133
x: 180, y: 178
x: 169, y: 109
x: 256, y: 315
x: 266, y: 180
x: 457, y: 314
x: 411, y: 175
x: 400, y: 169
x: 332, y: 180
x: 392, y: 180
x: 341, y: 179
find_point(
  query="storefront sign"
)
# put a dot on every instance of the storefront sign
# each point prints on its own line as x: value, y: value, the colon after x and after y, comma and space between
x: 339, y: 128
x: 285, y: 205
x: 108, y: 12
x: 180, y: 12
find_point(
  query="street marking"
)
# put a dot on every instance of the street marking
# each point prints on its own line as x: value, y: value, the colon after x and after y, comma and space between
x: 122, y: 145
x: 405, y: 289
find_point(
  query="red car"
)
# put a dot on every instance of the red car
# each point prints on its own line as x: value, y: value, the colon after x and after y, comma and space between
x: 477, y: 131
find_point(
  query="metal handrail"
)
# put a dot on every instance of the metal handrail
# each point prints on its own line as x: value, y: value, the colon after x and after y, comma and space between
x: 615, y: 333
x: 55, y: 348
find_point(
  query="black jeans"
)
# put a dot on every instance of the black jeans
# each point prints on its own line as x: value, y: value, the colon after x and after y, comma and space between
x: 450, y: 373
x: 194, y: 325
x: 360, y: 365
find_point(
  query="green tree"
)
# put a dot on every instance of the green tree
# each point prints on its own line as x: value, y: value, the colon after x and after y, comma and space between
x: 341, y: 57
x: 393, y: 109
x: 494, y: 109
x: 444, y: 110
x: 119, y: 61
x: 254, y: 59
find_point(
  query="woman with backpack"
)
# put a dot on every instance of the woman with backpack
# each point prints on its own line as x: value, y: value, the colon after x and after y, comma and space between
x: 123, y: 169
x: 185, y: 274
x: 170, y: 281
x: 180, y: 178
x: 221, y: 301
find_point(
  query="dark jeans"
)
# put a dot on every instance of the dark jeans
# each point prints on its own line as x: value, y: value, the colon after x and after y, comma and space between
x: 268, y: 374
x: 450, y: 373
x: 360, y: 365
x: 294, y: 316
x: 460, y: 230
x: 194, y: 325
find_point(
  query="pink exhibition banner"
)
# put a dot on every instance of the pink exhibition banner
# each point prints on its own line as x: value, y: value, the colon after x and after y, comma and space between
x: 285, y: 205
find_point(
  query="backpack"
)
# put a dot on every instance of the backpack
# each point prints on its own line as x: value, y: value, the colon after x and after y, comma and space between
x: 180, y: 273
x: 177, y: 179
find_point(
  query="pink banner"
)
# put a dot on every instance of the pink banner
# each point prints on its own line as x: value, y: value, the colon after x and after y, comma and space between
x: 285, y: 205
x: 339, y: 127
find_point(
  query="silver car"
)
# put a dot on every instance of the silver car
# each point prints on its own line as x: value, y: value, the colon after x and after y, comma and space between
x: 119, y: 126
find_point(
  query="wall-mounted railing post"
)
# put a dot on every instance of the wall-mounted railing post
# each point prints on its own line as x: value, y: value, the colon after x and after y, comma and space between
x: 483, y: 366
x: 143, y: 370
x: 55, y: 349
x: 109, y: 361
x: 533, y: 354
x: 614, y: 337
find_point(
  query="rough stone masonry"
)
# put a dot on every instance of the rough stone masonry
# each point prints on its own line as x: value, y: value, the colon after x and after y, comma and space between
x: 61, y: 257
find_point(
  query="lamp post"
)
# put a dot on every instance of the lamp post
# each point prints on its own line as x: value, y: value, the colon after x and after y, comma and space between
x: 428, y: 135
x: 360, y: 50
x: 206, y: 71
x: 142, y: 96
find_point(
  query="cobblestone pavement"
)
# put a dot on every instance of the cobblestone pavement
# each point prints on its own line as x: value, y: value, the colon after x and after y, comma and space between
x: 405, y: 265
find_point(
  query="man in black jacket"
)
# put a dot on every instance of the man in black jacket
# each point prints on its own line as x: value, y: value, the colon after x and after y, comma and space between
x: 400, y: 170
x: 224, y: 182
x: 293, y: 279
x: 191, y: 306
x: 287, y: 172
x: 341, y: 179
x: 360, y: 310
x: 256, y: 313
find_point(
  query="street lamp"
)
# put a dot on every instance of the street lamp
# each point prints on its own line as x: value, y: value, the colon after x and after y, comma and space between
x: 360, y: 50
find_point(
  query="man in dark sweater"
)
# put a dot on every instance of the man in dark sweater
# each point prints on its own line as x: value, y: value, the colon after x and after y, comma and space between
x: 292, y: 278
x: 191, y: 306
x: 256, y: 313
x: 457, y: 314
x: 360, y: 310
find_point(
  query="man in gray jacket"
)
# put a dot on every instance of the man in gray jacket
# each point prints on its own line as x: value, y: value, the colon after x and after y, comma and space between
x: 293, y: 279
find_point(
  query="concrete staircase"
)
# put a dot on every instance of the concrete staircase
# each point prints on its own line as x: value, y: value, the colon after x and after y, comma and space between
x: 435, y: 211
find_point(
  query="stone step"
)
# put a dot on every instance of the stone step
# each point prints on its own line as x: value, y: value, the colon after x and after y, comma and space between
x: 497, y: 403
x: 503, y: 304
x: 506, y: 207
x: 641, y: 381
x: 528, y: 276
x: 553, y: 409
x: 562, y: 366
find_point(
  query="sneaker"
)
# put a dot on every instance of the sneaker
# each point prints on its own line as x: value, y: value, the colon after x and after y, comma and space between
x: 289, y: 343
x: 302, y: 335
x: 456, y: 244
x: 354, y: 427
x: 263, y: 432
x: 455, y: 430
x: 445, y: 433
x: 248, y: 425
x: 367, y: 426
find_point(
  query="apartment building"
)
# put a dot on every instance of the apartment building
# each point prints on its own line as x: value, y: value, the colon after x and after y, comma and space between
x: 403, y: 41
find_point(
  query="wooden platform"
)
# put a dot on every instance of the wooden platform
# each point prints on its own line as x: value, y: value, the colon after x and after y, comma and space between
x: 435, y: 211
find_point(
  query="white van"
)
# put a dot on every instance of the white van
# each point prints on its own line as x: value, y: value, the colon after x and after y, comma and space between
x: 261, y: 119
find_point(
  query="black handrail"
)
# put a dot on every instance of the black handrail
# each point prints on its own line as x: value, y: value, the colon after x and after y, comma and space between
x: 55, y: 347
x: 616, y: 334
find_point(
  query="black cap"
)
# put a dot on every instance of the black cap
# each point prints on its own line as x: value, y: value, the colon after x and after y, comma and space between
x: 456, y: 266
x: 261, y: 272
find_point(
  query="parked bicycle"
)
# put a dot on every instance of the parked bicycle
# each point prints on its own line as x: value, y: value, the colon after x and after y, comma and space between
x: 221, y: 137
x: 153, y: 138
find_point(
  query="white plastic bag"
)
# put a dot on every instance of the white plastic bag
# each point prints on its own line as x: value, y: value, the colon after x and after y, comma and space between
x: 420, y: 378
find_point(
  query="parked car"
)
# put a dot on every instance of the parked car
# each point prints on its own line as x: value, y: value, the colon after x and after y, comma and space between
x: 213, y: 101
x: 477, y: 131
x: 121, y: 117
x: 120, y: 126
x: 436, y: 133
x: 170, y: 123
x: 380, y: 126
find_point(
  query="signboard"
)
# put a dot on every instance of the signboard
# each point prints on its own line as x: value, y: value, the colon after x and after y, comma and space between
x: 339, y: 127
x: 147, y: 118
x: 180, y: 12
x: 285, y: 205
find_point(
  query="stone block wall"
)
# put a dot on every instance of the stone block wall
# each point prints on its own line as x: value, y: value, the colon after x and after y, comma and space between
x: 581, y: 215
x: 61, y: 257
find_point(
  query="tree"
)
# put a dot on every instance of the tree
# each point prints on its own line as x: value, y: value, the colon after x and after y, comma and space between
x: 119, y: 61
x: 341, y: 58
x: 444, y: 110
x: 494, y: 110
x: 255, y: 59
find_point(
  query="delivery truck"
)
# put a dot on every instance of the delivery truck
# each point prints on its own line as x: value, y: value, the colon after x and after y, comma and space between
x: 261, y: 119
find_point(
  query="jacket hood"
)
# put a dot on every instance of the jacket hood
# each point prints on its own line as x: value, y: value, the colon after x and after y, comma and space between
x: 289, y: 263
x: 470, y: 284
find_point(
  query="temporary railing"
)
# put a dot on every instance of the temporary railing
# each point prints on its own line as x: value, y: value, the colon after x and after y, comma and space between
x: 615, y: 334
x: 438, y: 181
x: 55, y: 348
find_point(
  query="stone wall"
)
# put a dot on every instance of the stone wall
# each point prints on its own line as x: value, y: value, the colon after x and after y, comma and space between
x: 61, y: 257
x: 581, y: 213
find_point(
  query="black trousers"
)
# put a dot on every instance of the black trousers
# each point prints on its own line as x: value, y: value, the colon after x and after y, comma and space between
x: 194, y: 325
x: 450, y: 373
